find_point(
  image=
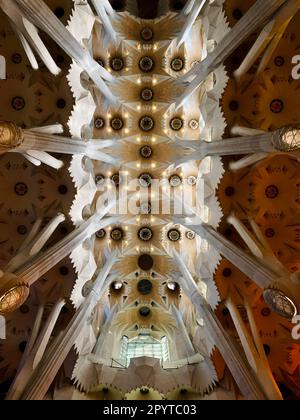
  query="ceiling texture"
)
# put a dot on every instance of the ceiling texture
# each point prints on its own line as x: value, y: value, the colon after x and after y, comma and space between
x: 190, y: 292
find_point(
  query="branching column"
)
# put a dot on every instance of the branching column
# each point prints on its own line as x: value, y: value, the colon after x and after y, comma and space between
x: 280, y: 293
x: 251, y: 21
x: 38, y: 13
x: 228, y: 147
x: 59, y: 350
x: 237, y: 364
x: 15, y: 287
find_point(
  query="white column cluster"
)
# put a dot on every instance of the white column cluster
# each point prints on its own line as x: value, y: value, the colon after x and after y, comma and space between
x: 37, y: 12
x: 250, y: 22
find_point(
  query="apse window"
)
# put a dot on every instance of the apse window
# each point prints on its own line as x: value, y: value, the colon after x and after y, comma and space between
x: 144, y: 345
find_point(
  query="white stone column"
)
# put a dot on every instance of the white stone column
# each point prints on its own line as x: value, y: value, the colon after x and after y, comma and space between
x: 250, y: 22
x: 227, y: 147
x: 240, y: 369
x: 35, y: 354
x: 109, y: 8
x: 237, y: 364
x: 39, y: 141
x: 103, y: 15
x: 190, y: 20
x: 253, y: 348
x: 280, y: 292
x: 186, y: 346
x: 35, y: 244
x: 268, y: 39
x: 38, y: 13
x: 44, y: 374
x: 247, y: 161
x: 29, y: 37
x: 38, y: 266
x: 187, y: 8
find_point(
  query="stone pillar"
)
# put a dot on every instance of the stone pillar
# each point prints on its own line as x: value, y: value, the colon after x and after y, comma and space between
x: 34, y: 354
x: 188, y: 8
x: 237, y: 364
x: 253, y: 348
x: 240, y: 369
x: 108, y: 7
x: 228, y: 147
x: 46, y: 371
x: 102, y: 13
x: 190, y: 20
x: 250, y: 22
x: 15, y: 287
x: 38, y: 13
x: 186, y: 346
x: 39, y: 141
x: 29, y: 37
x: 37, y: 267
x: 268, y: 39
x: 281, y: 293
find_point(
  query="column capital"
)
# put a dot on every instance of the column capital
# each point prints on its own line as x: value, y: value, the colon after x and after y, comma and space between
x: 13, y: 293
x: 11, y: 136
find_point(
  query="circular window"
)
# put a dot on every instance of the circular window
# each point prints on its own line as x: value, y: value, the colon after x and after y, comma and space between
x: 147, y: 123
x: 145, y: 180
x: 87, y: 288
x: 117, y: 63
x: 280, y: 303
x: 101, y: 234
x: 18, y: 103
x: 117, y: 234
x: 173, y: 286
x: 190, y: 235
x: 99, y: 179
x: 145, y: 287
x: 145, y: 234
x: 22, y: 230
x: 146, y: 152
x: 147, y: 34
x: 21, y: 189
x: 16, y: 58
x: 272, y: 192
x: 144, y: 311
x: 192, y: 181
x: 145, y: 262
x: 174, y: 235
x: 177, y: 64
x: 194, y: 125
x: 147, y: 94
x: 277, y: 106
x: 116, y: 179
x: 146, y: 64
x: 117, y: 286
x: 175, y: 181
x: 117, y: 123
x: 176, y: 124
x: 99, y: 123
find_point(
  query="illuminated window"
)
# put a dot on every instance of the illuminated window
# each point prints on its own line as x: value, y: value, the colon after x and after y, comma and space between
x: 144, y: 345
